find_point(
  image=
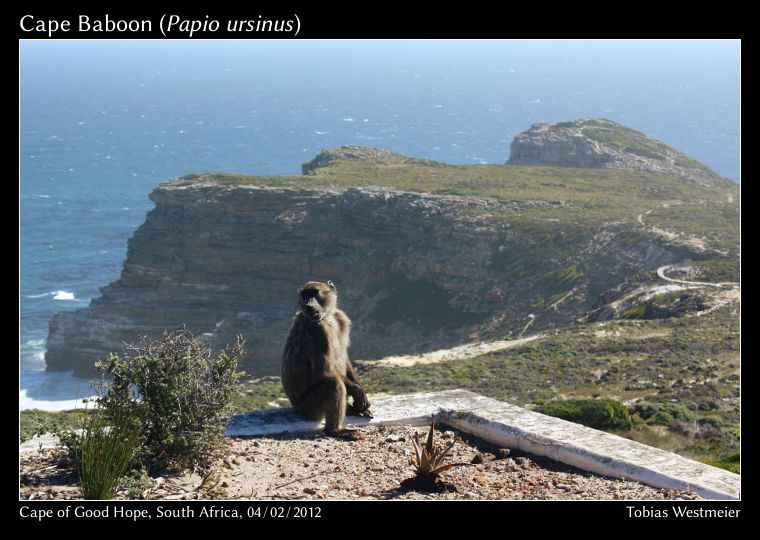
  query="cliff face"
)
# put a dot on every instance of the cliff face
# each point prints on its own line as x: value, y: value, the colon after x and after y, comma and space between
x: 227, y: 260
x: 416, y: 271
x: 599, y: 143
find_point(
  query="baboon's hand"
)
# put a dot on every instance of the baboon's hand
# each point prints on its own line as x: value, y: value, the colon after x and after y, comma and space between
x: 351, y: 411
x: 361, y: 402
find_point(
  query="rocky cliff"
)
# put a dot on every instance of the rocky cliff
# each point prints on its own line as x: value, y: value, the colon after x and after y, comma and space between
x: 600, y: 143
x: 420, y: 262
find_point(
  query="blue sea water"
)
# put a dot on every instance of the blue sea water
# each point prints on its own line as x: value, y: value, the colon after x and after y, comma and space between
x: 103, y: 122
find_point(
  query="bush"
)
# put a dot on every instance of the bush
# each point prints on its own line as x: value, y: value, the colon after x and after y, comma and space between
x: 715, y: 421
x: 676, y: 411
x: 661, y: 418
x: 182, y: 391
x: 644, y: 409
x: 604, y: 414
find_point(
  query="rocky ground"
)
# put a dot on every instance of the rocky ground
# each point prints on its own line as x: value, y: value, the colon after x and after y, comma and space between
x: 371, y: 463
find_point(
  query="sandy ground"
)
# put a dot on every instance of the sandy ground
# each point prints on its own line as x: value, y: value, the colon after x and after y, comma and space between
x: 462, y: 352
x: 370, y: 463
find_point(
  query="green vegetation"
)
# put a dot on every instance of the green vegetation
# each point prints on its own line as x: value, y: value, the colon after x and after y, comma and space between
x: 35, y: 422
x: 680, y: 376
x: 730, y: 463
x: 722, y: 270
x: 628, y: 140
x: 185, y: 396
x: 104, y: 450
x: 673, y: 304
x: 257, y: 394
x: 585, y: 188
x: 606, y: 414
x: 166, y: 405
x: 554, y: 200
x: 557, y: 283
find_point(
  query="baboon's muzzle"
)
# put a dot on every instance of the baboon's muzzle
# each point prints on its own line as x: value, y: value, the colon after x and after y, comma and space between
x: 313, y: 310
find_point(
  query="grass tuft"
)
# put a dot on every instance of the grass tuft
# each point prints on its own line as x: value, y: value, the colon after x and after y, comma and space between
x: 104, y: 451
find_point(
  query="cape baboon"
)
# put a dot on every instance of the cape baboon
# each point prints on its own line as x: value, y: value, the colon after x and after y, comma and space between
x: 316, y: 373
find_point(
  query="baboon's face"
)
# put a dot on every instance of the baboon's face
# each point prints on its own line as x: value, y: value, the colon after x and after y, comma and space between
x: 317, y: 299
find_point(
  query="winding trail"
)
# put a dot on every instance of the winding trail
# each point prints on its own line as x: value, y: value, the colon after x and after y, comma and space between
x: 661, y: 274
x: 723, y: 297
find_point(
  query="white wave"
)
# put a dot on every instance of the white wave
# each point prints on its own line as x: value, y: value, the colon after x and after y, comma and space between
x: 321, y: 132
x: 348, y: 119
x: 35, y: 343
x: 64, y: 295
x: 32, y: 354
x: 52, y: 391
x: 25, y: 402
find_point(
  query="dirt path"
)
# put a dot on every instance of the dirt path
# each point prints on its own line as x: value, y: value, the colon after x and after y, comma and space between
x: 661, y: 273
x: 462, y: 352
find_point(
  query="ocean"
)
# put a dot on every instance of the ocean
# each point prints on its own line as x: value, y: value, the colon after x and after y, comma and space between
x: 101, y: 123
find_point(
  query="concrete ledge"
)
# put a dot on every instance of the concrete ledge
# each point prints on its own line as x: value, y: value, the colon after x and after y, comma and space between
x: 511, y: 426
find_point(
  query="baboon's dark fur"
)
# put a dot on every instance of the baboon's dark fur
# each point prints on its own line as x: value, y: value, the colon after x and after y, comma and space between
x: 316, y: 373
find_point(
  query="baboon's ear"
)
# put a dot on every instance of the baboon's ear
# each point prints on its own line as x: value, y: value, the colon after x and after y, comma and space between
x: 330, y: 284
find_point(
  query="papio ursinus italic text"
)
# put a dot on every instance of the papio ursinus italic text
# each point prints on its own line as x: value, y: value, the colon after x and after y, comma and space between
x: 316, y: 373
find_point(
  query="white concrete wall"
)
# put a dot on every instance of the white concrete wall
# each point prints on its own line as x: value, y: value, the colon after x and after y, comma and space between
x: 515, y: 427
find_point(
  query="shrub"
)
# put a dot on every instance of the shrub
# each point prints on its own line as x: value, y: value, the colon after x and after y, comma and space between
x: 637, y: 421
x: 644, y: 409
x: 604, y: 414
x: 715, y: 421
x: 677, y: 411
x: 661, y: 418
x: 184, y: 394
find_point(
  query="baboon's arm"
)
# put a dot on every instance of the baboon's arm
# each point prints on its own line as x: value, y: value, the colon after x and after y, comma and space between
x: 350, y: 373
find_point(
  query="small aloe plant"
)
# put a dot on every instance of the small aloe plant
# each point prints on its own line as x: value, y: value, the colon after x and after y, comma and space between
x: 427, y: 459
